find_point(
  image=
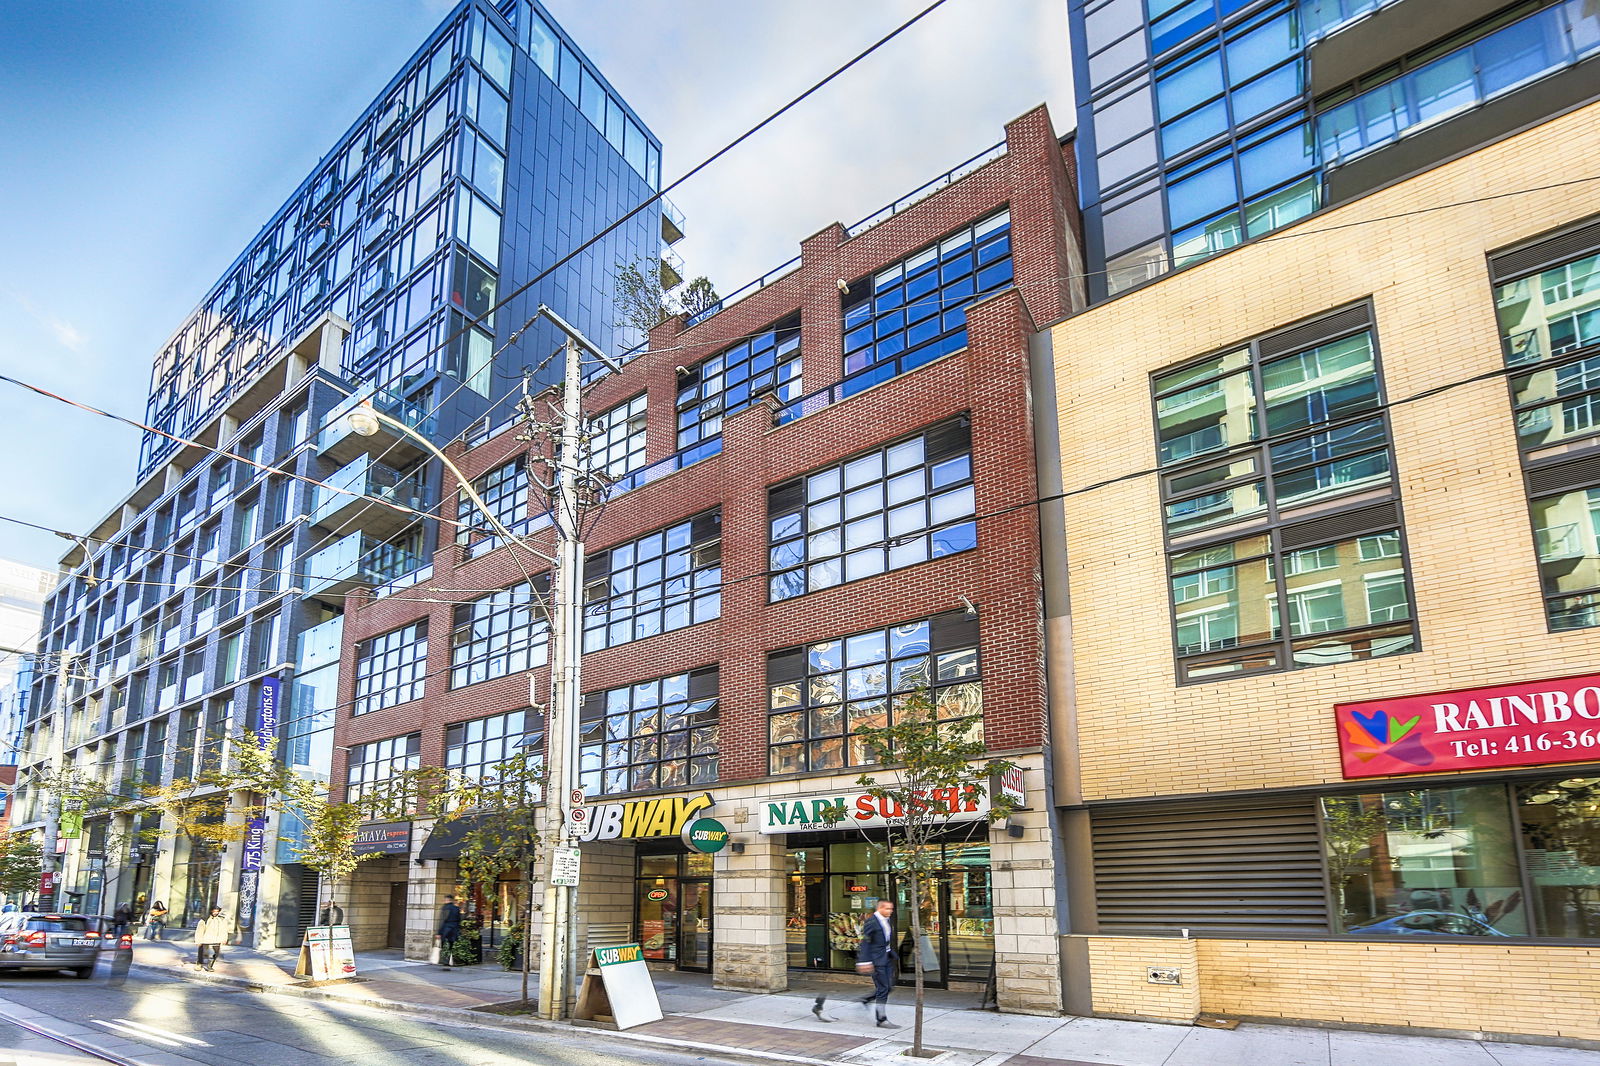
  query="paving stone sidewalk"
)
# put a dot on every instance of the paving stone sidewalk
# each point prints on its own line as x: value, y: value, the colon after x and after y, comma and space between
x: 781, y: 1026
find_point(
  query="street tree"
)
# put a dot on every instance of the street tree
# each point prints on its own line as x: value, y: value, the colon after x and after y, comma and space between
x: 21, y: 865
x: 932, y: 764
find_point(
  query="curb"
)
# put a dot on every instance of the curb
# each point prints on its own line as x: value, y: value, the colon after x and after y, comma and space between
x: 472, y: 1019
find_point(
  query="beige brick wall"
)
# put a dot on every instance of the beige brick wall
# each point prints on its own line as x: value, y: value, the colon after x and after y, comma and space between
x: 1421, y: 261
x: 1549, y: 991
x: 1119, y: 967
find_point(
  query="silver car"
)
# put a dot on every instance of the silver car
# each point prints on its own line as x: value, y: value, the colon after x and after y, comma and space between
x: 33, y: 940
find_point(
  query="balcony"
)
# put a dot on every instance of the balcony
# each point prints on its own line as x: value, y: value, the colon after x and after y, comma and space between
x: 319, y: 645
x: 356, y: 561
x: 671, y: 222
x: 367, y: 481
x: 340, y: 443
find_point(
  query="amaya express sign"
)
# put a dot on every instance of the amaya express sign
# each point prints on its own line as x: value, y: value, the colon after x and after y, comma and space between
x: 1531, y: 723
x: 862, y: 810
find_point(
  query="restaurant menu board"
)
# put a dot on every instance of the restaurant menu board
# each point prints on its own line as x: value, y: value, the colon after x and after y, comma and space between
x: 1529, y: 723
x: 326, y: 954
x: 629, y: 987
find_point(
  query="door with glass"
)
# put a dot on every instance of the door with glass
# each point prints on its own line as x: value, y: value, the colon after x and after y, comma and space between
x: 694, y: 926
x: 926, y: 952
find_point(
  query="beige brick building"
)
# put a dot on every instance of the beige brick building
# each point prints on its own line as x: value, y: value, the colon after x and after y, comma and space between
x: 1323, y: 418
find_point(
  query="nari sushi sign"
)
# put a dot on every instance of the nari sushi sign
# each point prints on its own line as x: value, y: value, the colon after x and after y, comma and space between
x: 1528, y: 723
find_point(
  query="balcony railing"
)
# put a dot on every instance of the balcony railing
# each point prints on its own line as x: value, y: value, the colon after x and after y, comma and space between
x: 319, y: 645
x: 366, y: 480
x: 744, y: 290
x: 670, y: 465
x: 922, y: 192
x: 353, y: 561
x: 342, y: 443
x: 1492, y: 66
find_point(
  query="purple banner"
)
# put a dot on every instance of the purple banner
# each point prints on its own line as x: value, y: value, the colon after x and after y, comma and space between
x: 255, y: 844
x: 267, y: 720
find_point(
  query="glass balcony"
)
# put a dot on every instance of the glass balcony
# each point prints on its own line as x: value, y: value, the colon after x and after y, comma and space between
x: 1534, y: 47
x: 367, y: 481
x: 671, y: 222
x: 319, y: 645
x: 356, y: 561
x: 339, y: 442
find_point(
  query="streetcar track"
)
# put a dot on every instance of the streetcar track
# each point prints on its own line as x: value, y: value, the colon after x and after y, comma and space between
x: 76, y: 1045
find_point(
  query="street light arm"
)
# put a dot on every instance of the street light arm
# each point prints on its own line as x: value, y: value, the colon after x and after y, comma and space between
x: 368, y: 410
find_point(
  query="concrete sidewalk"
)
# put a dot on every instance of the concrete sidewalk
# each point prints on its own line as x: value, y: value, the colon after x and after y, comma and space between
x: 781, y: 1026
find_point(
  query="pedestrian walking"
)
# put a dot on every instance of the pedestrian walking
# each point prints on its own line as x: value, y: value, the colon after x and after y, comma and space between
x: 121, y: 917
x: 876, y: 956
x: 155, y: 920
x: 449, y: 929
x: 210, y: 935
x: 331, y: 914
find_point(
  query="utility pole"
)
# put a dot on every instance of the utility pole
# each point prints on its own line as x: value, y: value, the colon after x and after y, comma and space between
x: 55, y: 760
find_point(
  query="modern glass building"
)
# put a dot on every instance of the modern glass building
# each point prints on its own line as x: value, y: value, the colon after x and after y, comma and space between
x: 1205, y: 123
x: 215, y: 587
x: 497, y: 149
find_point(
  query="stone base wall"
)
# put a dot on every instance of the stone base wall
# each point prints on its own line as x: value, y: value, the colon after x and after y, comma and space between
x: 1119, y: 969
x: 1027, y: 961
x: 751, y: 953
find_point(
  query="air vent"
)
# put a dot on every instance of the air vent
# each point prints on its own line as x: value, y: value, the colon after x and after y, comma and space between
x: 1531, y: 258
x: 1559, y: 477
x: 1341, y: 526
x: 1317, y: 331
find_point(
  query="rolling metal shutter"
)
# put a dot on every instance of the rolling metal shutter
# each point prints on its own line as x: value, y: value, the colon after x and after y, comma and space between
x: 1210, y: 868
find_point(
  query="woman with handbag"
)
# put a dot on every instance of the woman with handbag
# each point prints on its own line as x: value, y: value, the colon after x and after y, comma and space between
x: 155, y: 920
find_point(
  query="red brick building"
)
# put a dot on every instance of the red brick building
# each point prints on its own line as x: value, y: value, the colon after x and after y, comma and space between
x: 821, y: 499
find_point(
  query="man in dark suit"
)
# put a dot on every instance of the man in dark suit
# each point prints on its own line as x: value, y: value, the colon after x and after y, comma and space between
x: 331, y: 914
x: 877, y: 949
x: 449, y: 929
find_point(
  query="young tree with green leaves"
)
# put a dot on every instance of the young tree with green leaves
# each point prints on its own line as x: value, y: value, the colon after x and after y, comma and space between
x: 929, y: 770
x: 644, y: 300
x: 21, y: 865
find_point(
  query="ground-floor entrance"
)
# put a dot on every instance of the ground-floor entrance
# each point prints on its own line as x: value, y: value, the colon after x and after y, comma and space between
x: 673, y: 900
x: 836, y: 880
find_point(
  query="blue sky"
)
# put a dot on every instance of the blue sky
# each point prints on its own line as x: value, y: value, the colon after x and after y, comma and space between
x: 146, y: 142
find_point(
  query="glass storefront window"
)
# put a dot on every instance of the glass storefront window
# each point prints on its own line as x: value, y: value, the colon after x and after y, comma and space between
x: 1440, y: 862
x: 1561, y: 847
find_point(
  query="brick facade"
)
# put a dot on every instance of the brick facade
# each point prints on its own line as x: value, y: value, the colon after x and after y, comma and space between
x: 988, y: 382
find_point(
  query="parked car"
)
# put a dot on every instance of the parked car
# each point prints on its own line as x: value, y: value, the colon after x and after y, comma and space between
x: 1430, y: 923
x: 33, y: 940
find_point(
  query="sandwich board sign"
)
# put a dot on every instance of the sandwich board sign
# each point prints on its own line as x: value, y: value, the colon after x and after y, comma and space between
x: 629, y: 992
x: 326, y: 954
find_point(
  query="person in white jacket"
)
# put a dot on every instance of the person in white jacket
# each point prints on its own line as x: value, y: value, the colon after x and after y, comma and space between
x: 210, y: 935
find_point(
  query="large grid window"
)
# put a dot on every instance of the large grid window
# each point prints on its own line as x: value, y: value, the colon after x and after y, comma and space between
x: 654, y: 734
x: 1277, y: 485
x: 916, y: 310
x: 1547, y: 299
x: 472, y: 750
x: 666, y: 580
x: 373, y: 768
x: 820, y: 694
x: 390, y: 668
x: 768, y: 363
x: 502, y: 633
x: 616, y: 439
x: 504, y: 490
x: 894, y: 506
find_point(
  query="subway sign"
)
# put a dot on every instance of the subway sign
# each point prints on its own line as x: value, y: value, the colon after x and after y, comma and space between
x: 1529, y: 723
x: 857, y: 808
x: 657, y: 816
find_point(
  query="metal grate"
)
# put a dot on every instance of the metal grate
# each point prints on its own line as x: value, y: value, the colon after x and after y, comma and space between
x: 1558, y: 477
x: 1548, y: 251
x: 1341, y: 526
x: 1318, y: 330
x: 1235, y: 868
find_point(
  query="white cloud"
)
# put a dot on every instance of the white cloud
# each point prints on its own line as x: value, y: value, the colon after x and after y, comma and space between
x: 65, y: 333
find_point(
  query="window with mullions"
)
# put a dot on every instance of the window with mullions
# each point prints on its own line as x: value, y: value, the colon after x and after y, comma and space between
x: 1257, y: 446
x: 916, y: 310
x: 390, y: 668
x: 1226, y: 84
x: 1547, y: 300
x: 473, y: 749
x: 616, y: 438
x: 504, y: 491
x: 373, y: 768
x: 768, y: 363
x: 894, y: 506
x: 654, y: 734
x: 502, y: 633
x: 666, y: 580
x: 820, y: 694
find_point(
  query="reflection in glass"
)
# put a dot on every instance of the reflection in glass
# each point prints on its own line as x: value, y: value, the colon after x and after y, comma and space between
x: 1424, y: 862
x: 1561, y: 847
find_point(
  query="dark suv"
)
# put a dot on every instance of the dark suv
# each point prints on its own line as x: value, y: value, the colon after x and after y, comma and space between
x: 31, y: 940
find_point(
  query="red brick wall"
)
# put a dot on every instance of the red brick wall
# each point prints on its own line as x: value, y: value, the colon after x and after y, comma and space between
x: 989, y: 380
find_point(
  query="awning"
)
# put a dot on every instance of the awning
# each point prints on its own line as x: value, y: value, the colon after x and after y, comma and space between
x: 446, y: 837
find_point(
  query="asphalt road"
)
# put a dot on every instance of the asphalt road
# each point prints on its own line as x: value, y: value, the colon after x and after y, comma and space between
x: 166, y: 1021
